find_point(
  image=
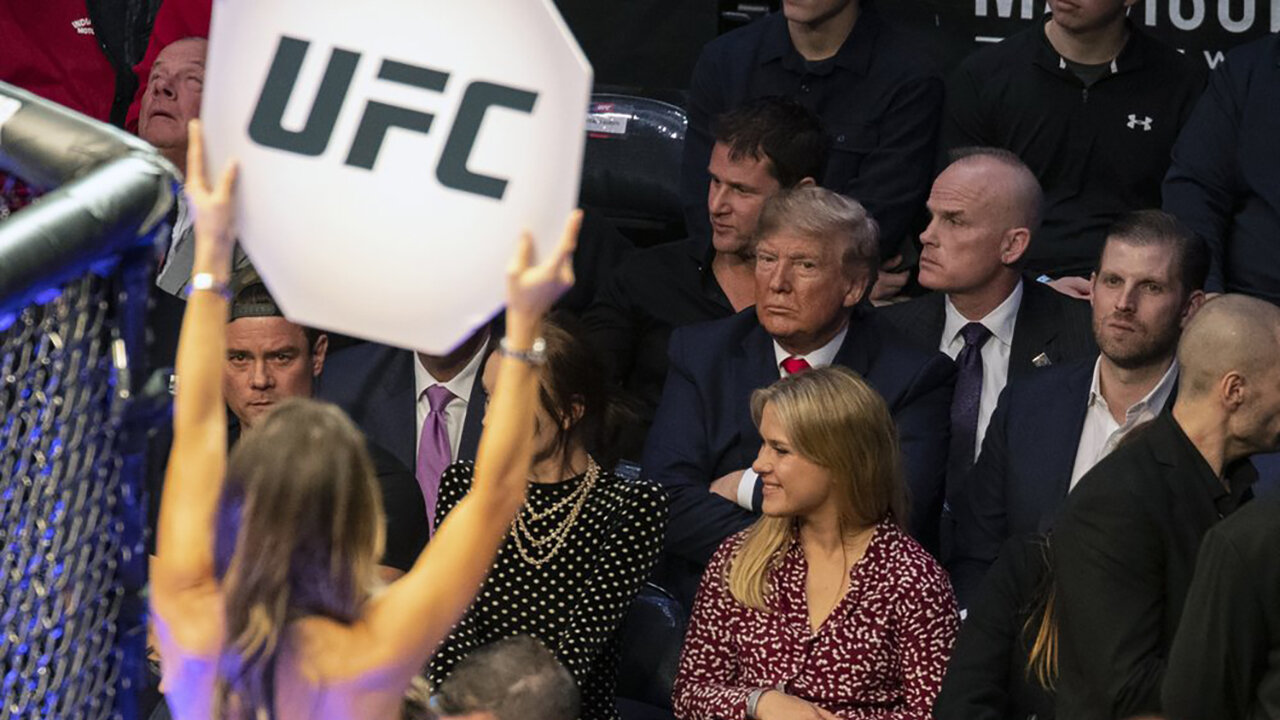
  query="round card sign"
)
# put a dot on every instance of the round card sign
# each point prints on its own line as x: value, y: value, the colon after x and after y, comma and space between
x: 392, y: 151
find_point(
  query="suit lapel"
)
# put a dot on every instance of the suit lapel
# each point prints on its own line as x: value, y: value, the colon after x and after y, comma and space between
x: 753, y: 366
x: 922, y: 320
x: 1034, y: 329
x: 473, y: 422
x: 932, y: 321
x: 861, y: 344
x: 399, y: 423
x: 1060, y: 457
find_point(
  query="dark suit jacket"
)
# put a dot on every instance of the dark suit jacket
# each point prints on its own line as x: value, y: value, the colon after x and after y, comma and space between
x: 1023, y: 473
x: 1124, y: 549
x: 703, y: 427
x: 1048, y: 322
x: 1024, y: 470
x: 374, y: 385
x: 986, y: 678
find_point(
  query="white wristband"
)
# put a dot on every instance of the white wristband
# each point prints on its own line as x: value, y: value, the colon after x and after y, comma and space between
x: 747, y: 488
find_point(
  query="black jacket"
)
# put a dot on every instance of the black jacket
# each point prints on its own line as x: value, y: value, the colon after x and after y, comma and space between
x: 1225, y: 179
x: 1124, y: 549
x: 880, y: 102
x: 1098, y: 151
x: 651, y: 293
x: 987, y: 676
x: 1225, y: 662
x: 1048, y: 323
x: 1023, y: 473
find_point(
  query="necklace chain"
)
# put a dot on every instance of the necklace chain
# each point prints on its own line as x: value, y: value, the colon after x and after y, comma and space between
x: 559, y: 534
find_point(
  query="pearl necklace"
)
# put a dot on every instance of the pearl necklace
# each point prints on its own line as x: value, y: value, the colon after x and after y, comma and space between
x: 557, y: 537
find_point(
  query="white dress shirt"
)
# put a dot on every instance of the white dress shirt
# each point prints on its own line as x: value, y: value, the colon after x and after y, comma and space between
x: 995, y: 352
x: 821, y: 357
x: 1101, y: 433
x: 455, y: 413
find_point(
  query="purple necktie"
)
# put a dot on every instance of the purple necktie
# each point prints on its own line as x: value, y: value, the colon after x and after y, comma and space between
x: 968, y: 394
x: 433, y: 449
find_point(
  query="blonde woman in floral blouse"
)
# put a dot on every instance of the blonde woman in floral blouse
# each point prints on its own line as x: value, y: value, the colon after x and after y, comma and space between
x: 824, y: 608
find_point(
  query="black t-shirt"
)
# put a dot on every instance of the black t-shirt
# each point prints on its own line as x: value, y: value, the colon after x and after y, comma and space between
x: 1089, y: 74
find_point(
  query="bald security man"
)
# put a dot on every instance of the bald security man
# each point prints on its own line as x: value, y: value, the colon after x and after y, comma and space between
x: 1124, y: 549
x: 996, y: 324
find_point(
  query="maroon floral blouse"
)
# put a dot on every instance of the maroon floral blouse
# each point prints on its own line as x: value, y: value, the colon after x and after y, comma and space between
x: 880, y: 654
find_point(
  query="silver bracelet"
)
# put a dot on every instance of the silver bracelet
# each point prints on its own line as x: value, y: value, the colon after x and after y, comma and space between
x: 753, y: 700
x: 208, y: 282
x: 535, y: 355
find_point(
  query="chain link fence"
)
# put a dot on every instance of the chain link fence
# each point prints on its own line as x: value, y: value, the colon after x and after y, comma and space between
x: 72, y: 559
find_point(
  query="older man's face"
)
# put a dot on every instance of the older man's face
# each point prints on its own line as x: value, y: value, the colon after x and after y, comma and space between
x: 173, y: 93
x: 804, y: 290
x: 962, y: 248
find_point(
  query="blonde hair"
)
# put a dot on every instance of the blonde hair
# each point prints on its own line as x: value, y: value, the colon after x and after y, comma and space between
x: 1042, y: 657
x: 300, y: 529
x: 835, y: 420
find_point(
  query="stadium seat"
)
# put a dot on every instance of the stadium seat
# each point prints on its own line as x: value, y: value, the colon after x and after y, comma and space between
x: 651, y: 637
x: 631, y: 167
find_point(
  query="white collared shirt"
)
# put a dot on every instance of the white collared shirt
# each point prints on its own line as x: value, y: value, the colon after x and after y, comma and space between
x: 995, y: 352
x: 821, y: 357
x: 1101, y: 433
x: 455, y: 413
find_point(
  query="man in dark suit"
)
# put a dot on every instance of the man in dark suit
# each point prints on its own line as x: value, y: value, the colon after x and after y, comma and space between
x: 390, y: 394
x: 985, y: 208
x: 816, y: 256
x: 1124, y: 548
x: 270, y: 360
x: 1052, y: 426
x: 764, y: 146
x: 1225, y: 661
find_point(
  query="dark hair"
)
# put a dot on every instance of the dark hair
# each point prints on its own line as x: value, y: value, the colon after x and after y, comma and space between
x: 780, y: 130
x: 575, y: 376
x: 515, y: 679
x: 252, y: 299
x: 1157, y: 227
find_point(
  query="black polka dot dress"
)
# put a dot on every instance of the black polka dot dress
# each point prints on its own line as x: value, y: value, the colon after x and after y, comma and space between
x: 575, y: 602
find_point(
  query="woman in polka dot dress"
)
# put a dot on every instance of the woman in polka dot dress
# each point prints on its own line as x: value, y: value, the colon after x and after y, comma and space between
x: 581, y: 547
x: 824, y: 608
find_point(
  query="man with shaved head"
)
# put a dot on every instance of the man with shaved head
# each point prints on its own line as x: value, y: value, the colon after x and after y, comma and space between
x: 985, y: 209
x: 1125, y: 547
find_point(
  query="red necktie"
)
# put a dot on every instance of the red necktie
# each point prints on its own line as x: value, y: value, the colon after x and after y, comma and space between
x: 793, y: 365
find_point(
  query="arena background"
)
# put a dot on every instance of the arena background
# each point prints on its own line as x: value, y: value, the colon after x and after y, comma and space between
x: 660, y: 57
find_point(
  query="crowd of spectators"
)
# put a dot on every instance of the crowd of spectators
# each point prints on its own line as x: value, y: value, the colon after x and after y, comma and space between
x: 1018, y: 485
